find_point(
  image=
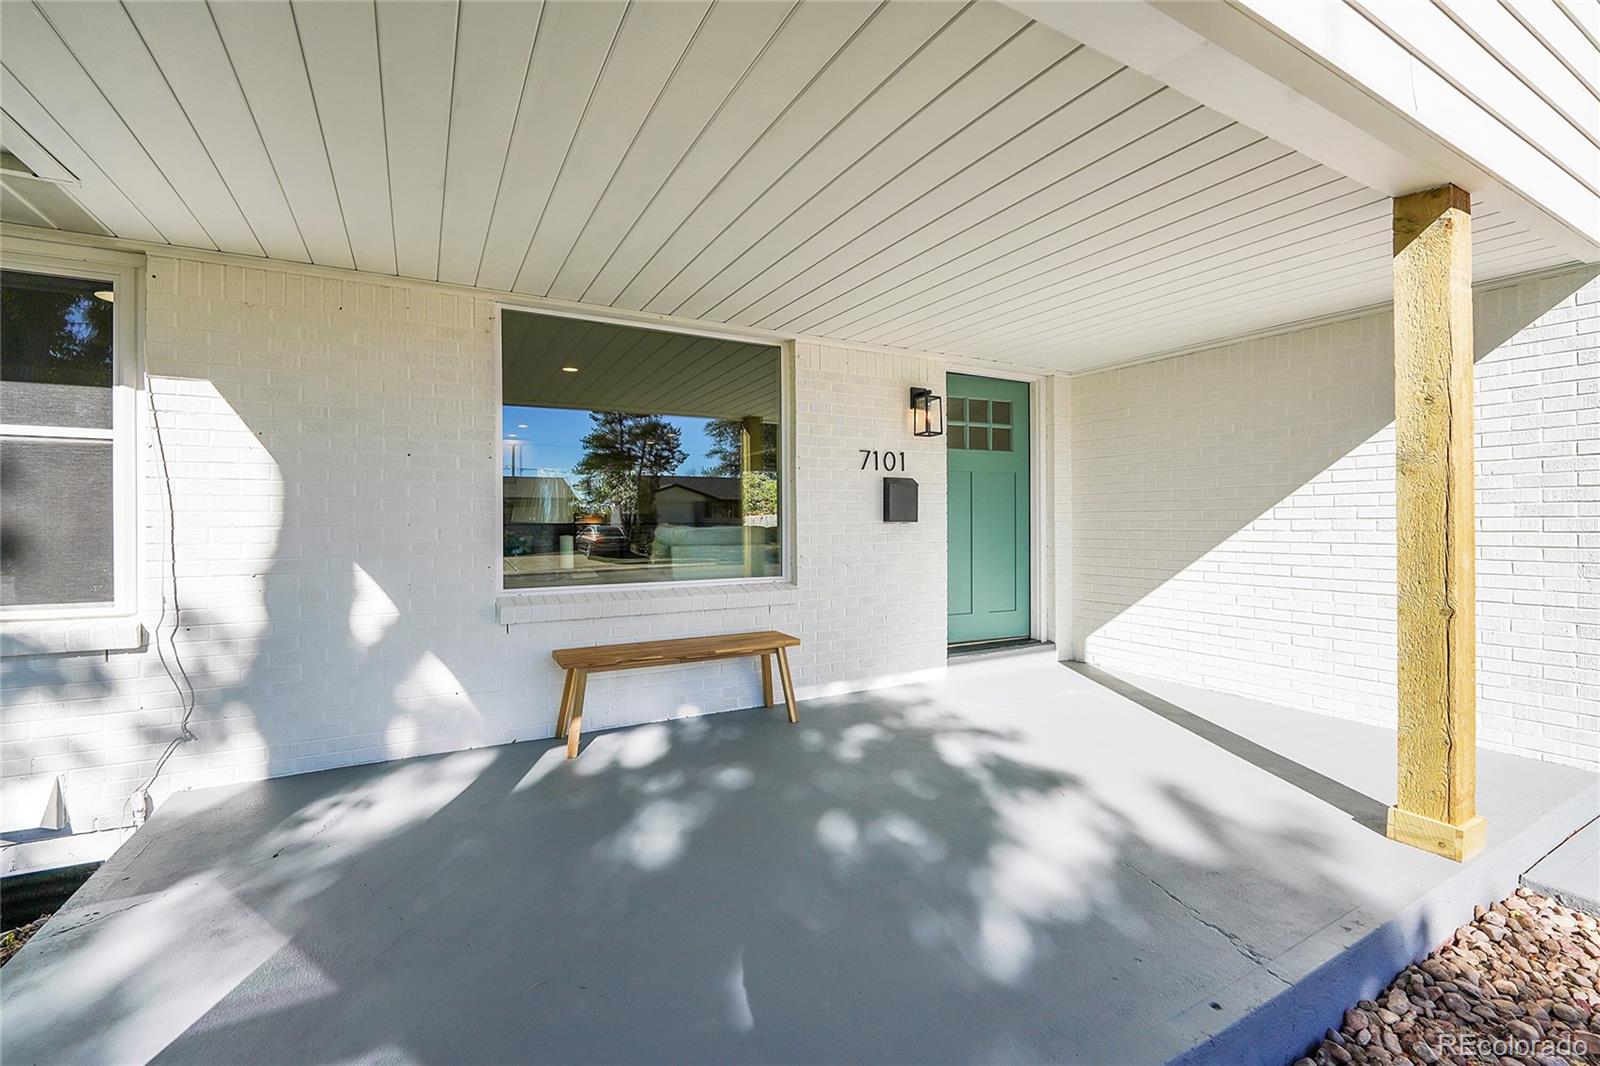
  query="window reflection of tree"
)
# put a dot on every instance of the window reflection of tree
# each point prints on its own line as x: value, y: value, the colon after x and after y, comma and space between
x: 727, y: 448
x: 55, y: 331
x: 624, y: 457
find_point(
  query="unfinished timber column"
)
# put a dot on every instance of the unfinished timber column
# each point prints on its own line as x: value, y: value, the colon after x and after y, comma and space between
x: 1435, y: 808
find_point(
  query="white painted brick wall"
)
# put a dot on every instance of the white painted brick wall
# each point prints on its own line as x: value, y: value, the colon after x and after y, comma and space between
x: 1224, y: 519
x: 1233, y: 519
x: 1058, y: 447
x: 333, y: 446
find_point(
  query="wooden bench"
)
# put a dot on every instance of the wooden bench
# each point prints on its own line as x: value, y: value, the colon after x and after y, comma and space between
x: 579, y: 663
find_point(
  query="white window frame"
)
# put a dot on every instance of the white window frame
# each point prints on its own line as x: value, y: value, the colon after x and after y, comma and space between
x: 125, y: 275
x: 786, y: 457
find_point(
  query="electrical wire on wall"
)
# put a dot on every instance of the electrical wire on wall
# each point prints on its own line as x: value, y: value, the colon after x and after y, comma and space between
x: 139, y: 802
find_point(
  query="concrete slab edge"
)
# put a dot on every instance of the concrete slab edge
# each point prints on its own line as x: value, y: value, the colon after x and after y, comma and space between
x: 1562, y: 891
x: 1284, y: 1027
x: 1562, y: 896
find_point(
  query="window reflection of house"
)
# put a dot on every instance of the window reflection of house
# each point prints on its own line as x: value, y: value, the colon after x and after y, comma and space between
x: 538, y: 512
x: 702, y: 527
x: 698, y: 501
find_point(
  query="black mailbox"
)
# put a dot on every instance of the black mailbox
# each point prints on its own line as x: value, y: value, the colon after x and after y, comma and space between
x: 899, y: 499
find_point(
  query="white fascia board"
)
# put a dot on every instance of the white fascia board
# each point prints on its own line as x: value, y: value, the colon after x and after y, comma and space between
x: 1395, y: 81
x: 1146, y: 38
x: 1293, y: 70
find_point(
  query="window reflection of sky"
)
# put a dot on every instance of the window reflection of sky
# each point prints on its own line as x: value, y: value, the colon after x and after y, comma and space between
x: 550, y: 445
x: 78, y: 321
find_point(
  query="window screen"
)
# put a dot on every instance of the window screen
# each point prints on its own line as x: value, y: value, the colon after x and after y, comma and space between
x: 56, y: 542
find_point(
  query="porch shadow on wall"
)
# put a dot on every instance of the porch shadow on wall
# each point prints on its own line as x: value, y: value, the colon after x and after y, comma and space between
x: 1220, y: 495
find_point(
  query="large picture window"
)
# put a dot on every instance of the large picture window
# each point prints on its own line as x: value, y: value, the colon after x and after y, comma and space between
x: 636, y: 455
x: 62, y: 414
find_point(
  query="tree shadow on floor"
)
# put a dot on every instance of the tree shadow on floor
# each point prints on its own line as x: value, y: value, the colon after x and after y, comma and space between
x: 889, y: 881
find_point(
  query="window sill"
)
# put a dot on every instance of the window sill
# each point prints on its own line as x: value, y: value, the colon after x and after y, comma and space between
x: 516, y: 608
x: 68, y: 636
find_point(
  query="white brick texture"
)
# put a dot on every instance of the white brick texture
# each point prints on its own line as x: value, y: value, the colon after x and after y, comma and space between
x: 1222, y: 518
x: 332, y: 446
x: 1232, y: 520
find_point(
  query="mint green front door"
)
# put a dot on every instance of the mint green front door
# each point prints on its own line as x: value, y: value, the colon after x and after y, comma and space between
x: 986, y: 434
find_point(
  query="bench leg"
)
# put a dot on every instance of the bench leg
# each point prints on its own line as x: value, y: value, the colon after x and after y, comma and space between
x: 766, y: 681
x: 788, y: 683
x: 580, y: 681
x: 566, y: 707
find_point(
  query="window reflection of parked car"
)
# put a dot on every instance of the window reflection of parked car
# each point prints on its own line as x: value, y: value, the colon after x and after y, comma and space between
x: 603, y: 540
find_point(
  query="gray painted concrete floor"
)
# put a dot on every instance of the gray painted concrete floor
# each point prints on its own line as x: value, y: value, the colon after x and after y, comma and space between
x: 1571, y: 873
x: 1017, y: 864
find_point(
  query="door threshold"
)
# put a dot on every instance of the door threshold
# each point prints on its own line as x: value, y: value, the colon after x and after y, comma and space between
x: 1004, y: 646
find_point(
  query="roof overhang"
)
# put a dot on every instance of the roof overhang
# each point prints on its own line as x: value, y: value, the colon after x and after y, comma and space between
x: 1388, y: 96
x: 1056, y: 187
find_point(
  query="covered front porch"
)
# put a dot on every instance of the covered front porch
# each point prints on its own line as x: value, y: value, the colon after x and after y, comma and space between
x: 309, y: 226
x: 1028, y: 860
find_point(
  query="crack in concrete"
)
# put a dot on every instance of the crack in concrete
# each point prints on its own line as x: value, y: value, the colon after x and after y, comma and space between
x: 110, y: 910
x: 1238, y: 942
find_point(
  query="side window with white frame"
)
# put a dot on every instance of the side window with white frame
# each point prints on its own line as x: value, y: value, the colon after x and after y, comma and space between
x: 66, y: 421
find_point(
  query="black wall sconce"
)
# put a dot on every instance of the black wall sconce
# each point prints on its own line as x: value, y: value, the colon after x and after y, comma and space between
x: 927, y: 413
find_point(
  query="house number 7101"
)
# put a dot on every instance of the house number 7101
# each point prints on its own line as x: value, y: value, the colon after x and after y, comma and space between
x: 882, y: 460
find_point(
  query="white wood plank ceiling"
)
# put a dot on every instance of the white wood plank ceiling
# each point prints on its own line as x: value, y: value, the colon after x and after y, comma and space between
x: 931, y: 175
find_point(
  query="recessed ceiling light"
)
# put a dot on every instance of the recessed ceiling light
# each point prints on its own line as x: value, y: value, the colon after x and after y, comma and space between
x: 513, y: 436
x: 105, y: 294
x: 522, y: 425
x: 569, y: 370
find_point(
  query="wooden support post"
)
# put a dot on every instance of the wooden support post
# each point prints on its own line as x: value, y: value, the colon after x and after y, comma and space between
x: 1435, y: 805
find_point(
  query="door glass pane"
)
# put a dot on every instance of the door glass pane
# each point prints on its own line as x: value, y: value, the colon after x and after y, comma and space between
x: 1002, y: 413
x: 978, y: 438
x: 55, y: 529
x: 1001, y: 440
x: 977, y: 410
x: 55, y: 351
x: 958, y: 437
x: 958, y: 409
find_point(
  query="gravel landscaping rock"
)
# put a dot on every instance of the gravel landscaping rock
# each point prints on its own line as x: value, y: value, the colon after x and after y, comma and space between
x: 11, y: 940
x: 1517, y: 986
